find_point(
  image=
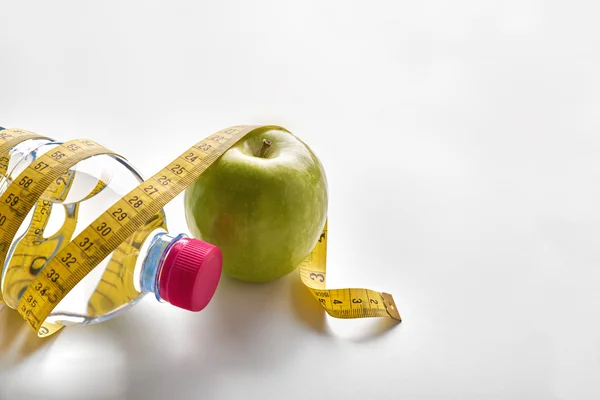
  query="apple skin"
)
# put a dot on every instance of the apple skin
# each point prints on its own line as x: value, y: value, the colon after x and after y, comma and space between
x: 264, y: 213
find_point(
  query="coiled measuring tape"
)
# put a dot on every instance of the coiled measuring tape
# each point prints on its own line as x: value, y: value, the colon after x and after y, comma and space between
x: 124, y: 222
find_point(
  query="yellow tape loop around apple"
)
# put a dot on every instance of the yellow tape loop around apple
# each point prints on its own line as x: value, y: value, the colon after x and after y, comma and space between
x: 73, y: 262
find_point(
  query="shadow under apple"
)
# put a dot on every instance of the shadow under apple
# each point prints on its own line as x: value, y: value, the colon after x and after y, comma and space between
x: 251, y: 308
x: 257, y: 324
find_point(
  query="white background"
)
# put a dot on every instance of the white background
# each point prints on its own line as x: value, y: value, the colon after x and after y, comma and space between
x: 461, y: 141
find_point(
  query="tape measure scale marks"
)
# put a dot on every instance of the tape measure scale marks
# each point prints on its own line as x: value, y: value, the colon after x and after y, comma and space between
x: 25, y: 191
x: 73, y: 262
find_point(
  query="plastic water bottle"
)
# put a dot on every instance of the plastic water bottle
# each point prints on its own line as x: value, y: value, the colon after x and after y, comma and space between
x: 176, y: 269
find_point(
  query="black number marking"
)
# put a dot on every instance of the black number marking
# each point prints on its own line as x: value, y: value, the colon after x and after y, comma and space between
x: 357, y: 301
x: 178, y: 169
x: 163, y: 180
x: 373, y: 301
x: 314, y: 276
x: 53, y: 275
x: 68, y: 259
x: 2, y: 220
x: 43, y: 290
x: 12, y: 200
x: 150, y: 190
x: 60, y: 180
x: 26, y: 181
x: 32, y: 301
x: 40, y: 166
x: 73, y: 147
x: 191, y: 157
x: 104, y: 229
x: 135, y: 201
x: 119, y: 214
x: 57, y: 155
x: 321, y: 237
x: 26, y: 311
x: 337, y: 302
x: 88, y: 143
x: 86, y: 244
x: 204, y: 147
x: 218, y: 138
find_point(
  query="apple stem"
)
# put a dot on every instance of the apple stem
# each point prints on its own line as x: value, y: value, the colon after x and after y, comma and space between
x: 265, y: 146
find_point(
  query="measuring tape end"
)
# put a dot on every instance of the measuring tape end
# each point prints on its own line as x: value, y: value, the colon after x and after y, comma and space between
x: 390, y: 306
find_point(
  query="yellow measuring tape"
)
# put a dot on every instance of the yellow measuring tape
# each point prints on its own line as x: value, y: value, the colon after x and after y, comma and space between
x: 125, y: 222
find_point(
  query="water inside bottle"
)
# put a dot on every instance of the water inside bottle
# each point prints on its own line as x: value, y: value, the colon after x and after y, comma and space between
x: 93, y: 185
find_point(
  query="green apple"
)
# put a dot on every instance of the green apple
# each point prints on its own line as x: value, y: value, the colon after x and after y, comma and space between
x: 263, y: 203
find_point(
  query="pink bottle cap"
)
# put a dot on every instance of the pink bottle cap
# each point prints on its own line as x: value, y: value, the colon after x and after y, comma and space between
x: 190, y: 274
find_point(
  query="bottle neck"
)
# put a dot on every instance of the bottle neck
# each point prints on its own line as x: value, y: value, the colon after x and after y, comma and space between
x: 152, y: 265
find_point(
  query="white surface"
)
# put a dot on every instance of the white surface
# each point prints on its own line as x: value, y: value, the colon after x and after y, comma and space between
x: 479, y: 209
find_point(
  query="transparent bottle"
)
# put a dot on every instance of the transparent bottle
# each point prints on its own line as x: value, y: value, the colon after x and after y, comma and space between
x: 176, y: 269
